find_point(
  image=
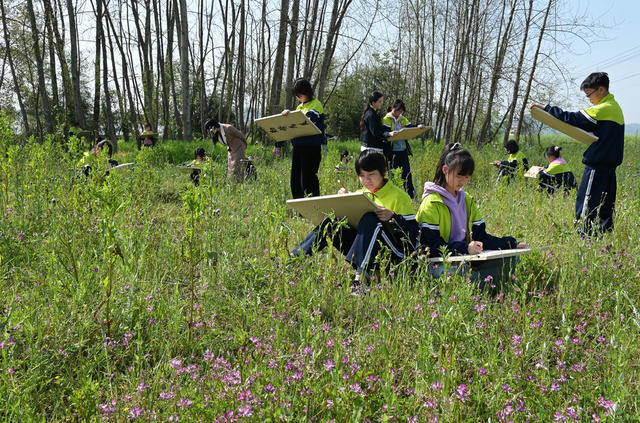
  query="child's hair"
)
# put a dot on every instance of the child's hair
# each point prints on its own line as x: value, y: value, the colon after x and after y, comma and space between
x: 512, y: 147
x: 343, y: 154
x: 210, y: 124
x: 596, y: 80
x: 199, y: 152
x: 370, y: 160
x: 553, y: 150
x: 302, y: 86
x: 398, y: 105
x: 375, y: 96
x: 457, y: 159
x: 147, y: 125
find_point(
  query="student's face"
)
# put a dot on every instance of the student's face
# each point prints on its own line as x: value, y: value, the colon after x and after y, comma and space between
x: 376, y: 105
x: 397, y: 113
x: 371, y: 180
x: 302, y: 98
x: 455, y: 182
x: 595, y: 96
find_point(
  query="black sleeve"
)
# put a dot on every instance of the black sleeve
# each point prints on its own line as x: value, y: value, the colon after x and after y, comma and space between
x: 490, y: 242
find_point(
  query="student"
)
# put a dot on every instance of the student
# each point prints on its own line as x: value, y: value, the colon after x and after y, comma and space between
x: 449, y: 218
x: 400, y: 149
x: 516, y: 160
x: 307, y: 151
x: 557, y: 174
x: 392, y: 225
x: 200, y: 156
x: 373, y: 135
x: 149, y: 138
x: 236, y: 144
x: 101, y: 143
x: 597, y: 191
x: 345, y: 159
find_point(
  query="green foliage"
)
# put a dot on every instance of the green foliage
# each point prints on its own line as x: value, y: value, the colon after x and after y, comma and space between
x: 205, y: 317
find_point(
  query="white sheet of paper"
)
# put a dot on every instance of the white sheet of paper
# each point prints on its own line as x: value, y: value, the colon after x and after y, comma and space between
x: 408, y: 133
x: 485, y: 255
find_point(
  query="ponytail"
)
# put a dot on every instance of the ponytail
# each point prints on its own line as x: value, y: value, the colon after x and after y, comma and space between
x: 457, y: 159
x: 375, y: 96
x: 553, y: 150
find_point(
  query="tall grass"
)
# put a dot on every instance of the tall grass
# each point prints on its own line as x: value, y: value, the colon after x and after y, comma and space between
x: 129, y: 296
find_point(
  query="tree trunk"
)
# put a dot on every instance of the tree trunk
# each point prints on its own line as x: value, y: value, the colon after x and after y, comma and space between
x: 42, y: 88
x: 291, y: 59
x: 278, y: 67
x: 23, y: 111
x: 96, y: 75
x: 338, y: 12
x: 75, y: 66
x: 184, y: 62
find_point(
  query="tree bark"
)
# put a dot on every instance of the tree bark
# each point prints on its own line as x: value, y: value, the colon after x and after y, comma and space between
x: 75, y: 67
x: 278, y: 67
x: 184, y: 62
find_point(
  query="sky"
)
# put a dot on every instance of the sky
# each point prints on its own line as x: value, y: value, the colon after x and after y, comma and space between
x: 615, y: 49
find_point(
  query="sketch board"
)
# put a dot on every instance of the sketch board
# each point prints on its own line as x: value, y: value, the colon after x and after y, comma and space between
x: 533, y: 171
x: 282, y: 128
x: 121, y: 166
x: 350, y: 206
x: 574, y: 132
x: 485, y: 255
x: 150, y: 135
x: 188, y: 169
x: 409, y: 133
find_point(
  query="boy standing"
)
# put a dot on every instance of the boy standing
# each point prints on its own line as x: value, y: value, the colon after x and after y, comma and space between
x: 597, y: 191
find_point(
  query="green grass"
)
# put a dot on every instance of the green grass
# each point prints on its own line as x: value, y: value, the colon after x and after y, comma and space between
x: 128, y: 296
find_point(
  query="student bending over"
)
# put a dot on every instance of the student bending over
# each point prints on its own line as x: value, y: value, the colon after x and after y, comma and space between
x: 448, y: 217
x: 516, y: 160
x: 393, y: 224
x: 557, y: 175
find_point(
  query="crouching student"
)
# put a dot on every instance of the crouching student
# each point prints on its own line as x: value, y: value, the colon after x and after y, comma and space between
x: 200, y: 156
x: 392, y: 225
x: 516, y: 160
x: 557, y: 175
x: 450, y: 221
x: 236, y: 144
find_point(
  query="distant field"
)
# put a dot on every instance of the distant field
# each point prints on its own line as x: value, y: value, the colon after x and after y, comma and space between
x: 130, y: 297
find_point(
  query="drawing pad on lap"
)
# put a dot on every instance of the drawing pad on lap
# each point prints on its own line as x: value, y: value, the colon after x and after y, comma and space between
x: 350, y: 206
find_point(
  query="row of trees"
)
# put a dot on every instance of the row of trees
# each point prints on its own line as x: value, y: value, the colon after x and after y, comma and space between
x: 465, y: 67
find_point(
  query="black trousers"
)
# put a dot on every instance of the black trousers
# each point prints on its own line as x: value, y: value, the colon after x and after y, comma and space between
x: 400, y: 159
x: 596, y: 198
x: 305, y: 163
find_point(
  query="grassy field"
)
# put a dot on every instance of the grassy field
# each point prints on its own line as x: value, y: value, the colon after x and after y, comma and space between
x: 130, y: 297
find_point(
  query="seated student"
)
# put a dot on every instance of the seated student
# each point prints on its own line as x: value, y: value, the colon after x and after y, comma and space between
x: 557, y: 174
x: 100, y: 144
x: 393, y: 224
x: 148, y: 137
x: 236, y: 144
x: 449, y: 218
x: 200, y: 156
x: 400, y: 149
x: 345, y: 159
x: 516, y: 160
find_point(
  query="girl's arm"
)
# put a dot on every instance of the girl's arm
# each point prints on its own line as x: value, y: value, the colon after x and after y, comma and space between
x: 479, y: 233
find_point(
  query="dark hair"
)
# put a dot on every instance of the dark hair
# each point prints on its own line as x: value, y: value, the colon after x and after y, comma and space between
x: 344, y: 153
x: 596, y: 80
x: 210, y: 124
x: 370, y: 160
x: 302, y: 86
x: 456, y: 159
x: 553, y: 150
x: 147, y: 125
x: 199, y: 152
x: 375, y: 96
x: 103, y: 143
x: 512, y: 147
x: 399, y: 105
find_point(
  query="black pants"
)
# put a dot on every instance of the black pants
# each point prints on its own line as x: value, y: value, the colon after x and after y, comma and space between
x: 596, y: 197
x: 359, y: 246
x: 400, y: 159
x: 305, y: 163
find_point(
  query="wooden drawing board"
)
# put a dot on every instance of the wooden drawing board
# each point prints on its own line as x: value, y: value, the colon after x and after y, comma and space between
x: 574, y: 132
x: 409, y: 133
x: 121, y: 166
x: 350, y: 206
x: 282, y: 128
x: 485, y: 255
x: 188, y: 169
x: 533, y: 171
